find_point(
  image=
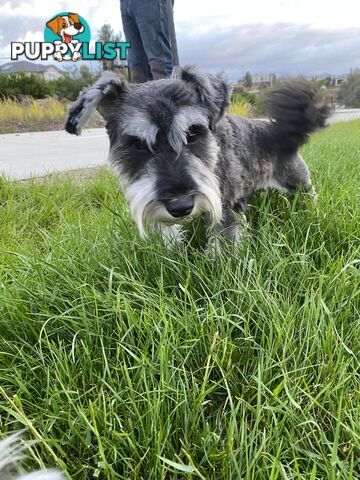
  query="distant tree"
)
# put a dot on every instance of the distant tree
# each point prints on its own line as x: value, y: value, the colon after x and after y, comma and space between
x: 327, y: 81
x: 273, y: 80
x: 69, y: 88
x: 71, y: 69
x: 84, y: 72
x: 324, y: 82
x: 349, y: 93
x: 238, y: 88
x: 107, y: 34
x: 248, y: 80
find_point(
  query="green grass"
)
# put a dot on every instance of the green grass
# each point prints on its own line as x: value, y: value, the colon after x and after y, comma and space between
x: 32, y: 111
x: 124, y: 360
x: 240, y: 107
x: 36, y: 115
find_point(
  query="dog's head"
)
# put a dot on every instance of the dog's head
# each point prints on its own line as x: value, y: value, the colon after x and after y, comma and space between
x: 67, y: 26
x: 161, y: 142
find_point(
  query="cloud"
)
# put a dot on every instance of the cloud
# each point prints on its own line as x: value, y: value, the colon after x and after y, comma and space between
x: 318, y: 13
x: 20, y: 16
x: 13, y: 28
x: 280, y: 48
x: 17, y: 3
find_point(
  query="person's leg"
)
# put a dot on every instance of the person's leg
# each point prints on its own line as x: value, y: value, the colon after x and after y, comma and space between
x: 139, y: 68
x: 152, y: 19
x: 174, y: 48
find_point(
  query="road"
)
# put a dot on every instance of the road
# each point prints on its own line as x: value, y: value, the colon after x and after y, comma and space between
x: 37, y: 154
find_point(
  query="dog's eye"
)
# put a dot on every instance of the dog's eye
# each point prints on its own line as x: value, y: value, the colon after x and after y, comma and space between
x: 194, y: 133
x: 138, y: 144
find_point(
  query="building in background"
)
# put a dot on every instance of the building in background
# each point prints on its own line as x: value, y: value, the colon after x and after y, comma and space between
x: 46, y: 72
x: 263, y: 81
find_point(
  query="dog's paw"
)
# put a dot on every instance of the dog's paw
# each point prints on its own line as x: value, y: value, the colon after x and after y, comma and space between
x: 239, y: 231
x: 76, y: 56
x: 313, y: 195
x: 171, y: 235
x: 58, y: 57
x: 213, y: 247
x: 176, y: 73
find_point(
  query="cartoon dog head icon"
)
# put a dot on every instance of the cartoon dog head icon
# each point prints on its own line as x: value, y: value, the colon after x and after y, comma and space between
x: 66, y: 26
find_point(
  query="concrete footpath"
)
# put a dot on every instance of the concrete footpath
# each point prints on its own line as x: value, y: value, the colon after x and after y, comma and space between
x: 345, y: 115
x: 25, y: 155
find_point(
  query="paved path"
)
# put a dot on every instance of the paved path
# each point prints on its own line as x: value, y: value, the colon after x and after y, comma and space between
x: 345, y: 115
x: 36, y: 154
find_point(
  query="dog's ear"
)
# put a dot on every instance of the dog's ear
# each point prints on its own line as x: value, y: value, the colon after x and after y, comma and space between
x: 55, y: 24
x: 74, y: 17
x: 213, y: 91
x: 103, y: 95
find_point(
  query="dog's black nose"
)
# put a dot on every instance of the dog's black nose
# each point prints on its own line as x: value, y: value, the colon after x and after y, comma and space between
x: 78, y: 26
x: 180, y: 206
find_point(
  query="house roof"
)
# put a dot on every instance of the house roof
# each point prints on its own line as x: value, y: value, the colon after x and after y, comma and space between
x: 24, y: 66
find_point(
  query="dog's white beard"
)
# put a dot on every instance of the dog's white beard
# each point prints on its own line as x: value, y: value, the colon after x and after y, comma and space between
x: 209, y: 198
x: 141, y: 195
x: 11, y: 452
x: 146, y: 209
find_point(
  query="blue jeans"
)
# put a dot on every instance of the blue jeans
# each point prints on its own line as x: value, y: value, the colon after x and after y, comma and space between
x: 146, y: 26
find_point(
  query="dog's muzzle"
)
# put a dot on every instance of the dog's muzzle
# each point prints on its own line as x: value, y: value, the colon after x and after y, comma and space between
x: 180, y: 206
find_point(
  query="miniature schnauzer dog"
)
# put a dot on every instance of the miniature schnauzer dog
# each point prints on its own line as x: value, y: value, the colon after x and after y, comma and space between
x: 180, y: 154
x: 11, y: 454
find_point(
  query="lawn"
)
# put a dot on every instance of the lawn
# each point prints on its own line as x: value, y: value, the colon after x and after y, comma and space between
x: 126, y: 361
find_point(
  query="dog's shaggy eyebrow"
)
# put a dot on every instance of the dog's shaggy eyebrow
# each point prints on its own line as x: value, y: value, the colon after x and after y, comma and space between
x: 142, y: 127
x: 186, y: 117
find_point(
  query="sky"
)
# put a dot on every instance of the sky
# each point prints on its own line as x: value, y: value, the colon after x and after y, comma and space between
x: 286, y: 37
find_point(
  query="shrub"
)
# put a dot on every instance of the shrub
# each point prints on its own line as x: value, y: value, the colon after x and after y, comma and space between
x: 17, y: 84
x: 240, y: 107
x: 349, y: 93
x: 246, y: 104
x: 238, y: 88
x: 69, y: 88
x: 246, y: 96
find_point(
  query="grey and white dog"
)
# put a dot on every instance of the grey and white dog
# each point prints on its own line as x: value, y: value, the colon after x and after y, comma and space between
x: 179, y: 154
x: 11, y: 453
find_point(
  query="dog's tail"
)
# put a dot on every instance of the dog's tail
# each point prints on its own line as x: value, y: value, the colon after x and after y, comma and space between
x: 11, y: 453
x: 295, y: 109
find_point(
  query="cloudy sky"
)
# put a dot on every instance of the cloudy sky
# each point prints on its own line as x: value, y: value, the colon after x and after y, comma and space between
x: 262, y: 36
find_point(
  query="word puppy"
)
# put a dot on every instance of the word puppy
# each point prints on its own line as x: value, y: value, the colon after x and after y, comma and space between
x: 179, y: 154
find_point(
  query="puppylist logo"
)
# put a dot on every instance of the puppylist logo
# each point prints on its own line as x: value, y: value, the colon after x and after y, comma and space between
x: 67, y: 37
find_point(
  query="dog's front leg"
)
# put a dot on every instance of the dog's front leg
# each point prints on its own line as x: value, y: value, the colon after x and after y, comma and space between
x: 292, y: 174
x: 232, y: 228
x: 76, y: 55
x: 58, y: 55
x: 172, y: 235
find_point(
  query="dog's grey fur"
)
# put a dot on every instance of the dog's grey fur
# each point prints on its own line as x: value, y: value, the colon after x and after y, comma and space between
x: 179, y: 154
x: 11, y: 453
